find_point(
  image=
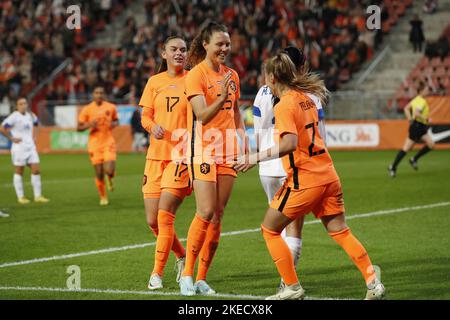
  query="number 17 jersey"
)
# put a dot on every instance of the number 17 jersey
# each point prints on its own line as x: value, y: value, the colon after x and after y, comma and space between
x: 310, y: 164
x: 165, y: 96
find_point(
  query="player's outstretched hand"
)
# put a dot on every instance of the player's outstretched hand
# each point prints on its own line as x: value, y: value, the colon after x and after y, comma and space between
x: 158, y: 131
x: 244, y: 163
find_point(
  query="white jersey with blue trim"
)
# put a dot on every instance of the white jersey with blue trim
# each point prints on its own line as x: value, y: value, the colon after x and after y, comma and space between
x: 264, y: 123
x: 21, y: 126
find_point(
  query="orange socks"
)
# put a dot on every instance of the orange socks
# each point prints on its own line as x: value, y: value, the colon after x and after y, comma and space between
x: 356, y: 252
x: 195, y: 240
x: 176, y: 247
x: 164, y: 240
x: 208, y: 250
x: 101, y: 187
x: 281, y: 255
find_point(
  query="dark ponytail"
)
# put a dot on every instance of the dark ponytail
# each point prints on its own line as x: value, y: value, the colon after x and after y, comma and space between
x: 163, y: 65
x: 196, y: 51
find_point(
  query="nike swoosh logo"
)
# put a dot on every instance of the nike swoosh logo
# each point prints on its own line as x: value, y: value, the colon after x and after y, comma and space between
x: 439, y: 136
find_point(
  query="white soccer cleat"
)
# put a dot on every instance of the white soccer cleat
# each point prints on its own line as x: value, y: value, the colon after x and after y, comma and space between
x: 201, y: 287
x: 187, y: 286
x: 375, y: 290
x: 179, y: 267
x: 3, y: 214
x: 293, y: 292
x: 104, y: 201
x: 155, y: 282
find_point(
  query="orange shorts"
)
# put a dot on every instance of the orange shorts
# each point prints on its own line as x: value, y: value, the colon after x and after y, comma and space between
x: 103, y: 154
x: 165, y: 175
x: 210, y: 171
x: 326, y: 200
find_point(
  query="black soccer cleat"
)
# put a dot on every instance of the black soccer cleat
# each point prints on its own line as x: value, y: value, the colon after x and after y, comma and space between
x: 413, y: 164
x: 392, y: 171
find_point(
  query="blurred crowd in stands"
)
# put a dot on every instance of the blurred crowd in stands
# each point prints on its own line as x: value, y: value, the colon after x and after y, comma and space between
x: 34, y: 40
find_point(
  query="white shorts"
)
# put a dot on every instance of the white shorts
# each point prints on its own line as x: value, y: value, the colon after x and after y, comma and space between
x: 271, y: 185
x: 21, y: 158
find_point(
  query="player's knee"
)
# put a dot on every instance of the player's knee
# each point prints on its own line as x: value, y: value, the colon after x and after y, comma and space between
x: 218, y: 215
x: 36, y: 172
x: 206, y: 212
x: 430, y: 144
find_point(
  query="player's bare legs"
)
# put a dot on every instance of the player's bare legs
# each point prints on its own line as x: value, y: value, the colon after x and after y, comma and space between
x: 18, y: 185
x: 36, y: 183
x: 109, y: 168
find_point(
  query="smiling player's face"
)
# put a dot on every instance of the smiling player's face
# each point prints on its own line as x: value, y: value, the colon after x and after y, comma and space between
x: 218, y: 48
x: 175, y: 52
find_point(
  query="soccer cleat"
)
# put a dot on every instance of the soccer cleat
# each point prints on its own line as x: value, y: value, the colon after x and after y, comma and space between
x: 203, y: 288
x: 375, y: 290
x: 155, y: 282
x: 104, y: 201
x: 41, y: 199
x: 281, y: 286
x: 23, y: 200
x: 413, y: 164
x: 179, y: 267
x: 110, y: 184
x: 3, y: 214
x: 293, y: 292
x: 392, y: 171
x: 187, y: 286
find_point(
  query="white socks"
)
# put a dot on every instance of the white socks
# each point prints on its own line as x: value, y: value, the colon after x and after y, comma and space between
x: 18, y: 185
x: 295, y: 245
x: 36, y: 183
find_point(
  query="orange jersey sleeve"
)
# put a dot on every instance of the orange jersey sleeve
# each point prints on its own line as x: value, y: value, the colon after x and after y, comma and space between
x: 310, y: 165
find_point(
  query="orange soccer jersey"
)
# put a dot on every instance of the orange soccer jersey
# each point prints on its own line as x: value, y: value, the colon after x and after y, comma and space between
x: 216, y: 141
x: 165, y: 103
x: 310, y: 165
x: 104, y: 114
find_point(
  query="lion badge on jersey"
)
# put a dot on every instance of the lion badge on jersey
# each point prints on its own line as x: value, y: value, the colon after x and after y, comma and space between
x: 205, y: 168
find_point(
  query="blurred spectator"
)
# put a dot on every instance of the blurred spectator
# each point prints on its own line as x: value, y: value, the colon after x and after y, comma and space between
x: 416, y: 36
x: 138, y: 133
x: 430, y: 6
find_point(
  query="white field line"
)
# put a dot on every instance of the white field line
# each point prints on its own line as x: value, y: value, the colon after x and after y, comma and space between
x: 65, y: 181
x: 225, y: 234
x: 146, y: 293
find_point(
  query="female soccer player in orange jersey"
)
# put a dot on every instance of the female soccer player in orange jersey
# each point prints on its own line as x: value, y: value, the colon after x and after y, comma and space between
x: 100, y: 117
x: 166, y: 178
x: 213, y: 93
x: 312, y: 183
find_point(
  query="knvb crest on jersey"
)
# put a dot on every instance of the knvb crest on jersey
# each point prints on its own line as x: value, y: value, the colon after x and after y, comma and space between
x: 205, y: 168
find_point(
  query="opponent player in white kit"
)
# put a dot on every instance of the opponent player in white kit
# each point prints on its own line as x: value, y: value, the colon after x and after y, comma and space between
x: 271, y: 173
x: 18, y: 127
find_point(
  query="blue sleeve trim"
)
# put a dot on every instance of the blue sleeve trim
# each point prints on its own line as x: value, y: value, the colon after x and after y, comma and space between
x: 256, y: 111
x: 321, y: 114
x: 7, y: 126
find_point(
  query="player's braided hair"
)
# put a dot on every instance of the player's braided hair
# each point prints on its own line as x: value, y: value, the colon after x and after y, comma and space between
x: 196, y: 51
x: 163, y: 65
x: 301, y: 79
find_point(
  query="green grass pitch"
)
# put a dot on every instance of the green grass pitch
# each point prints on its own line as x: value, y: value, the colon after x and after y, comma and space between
x: 411, y: 246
